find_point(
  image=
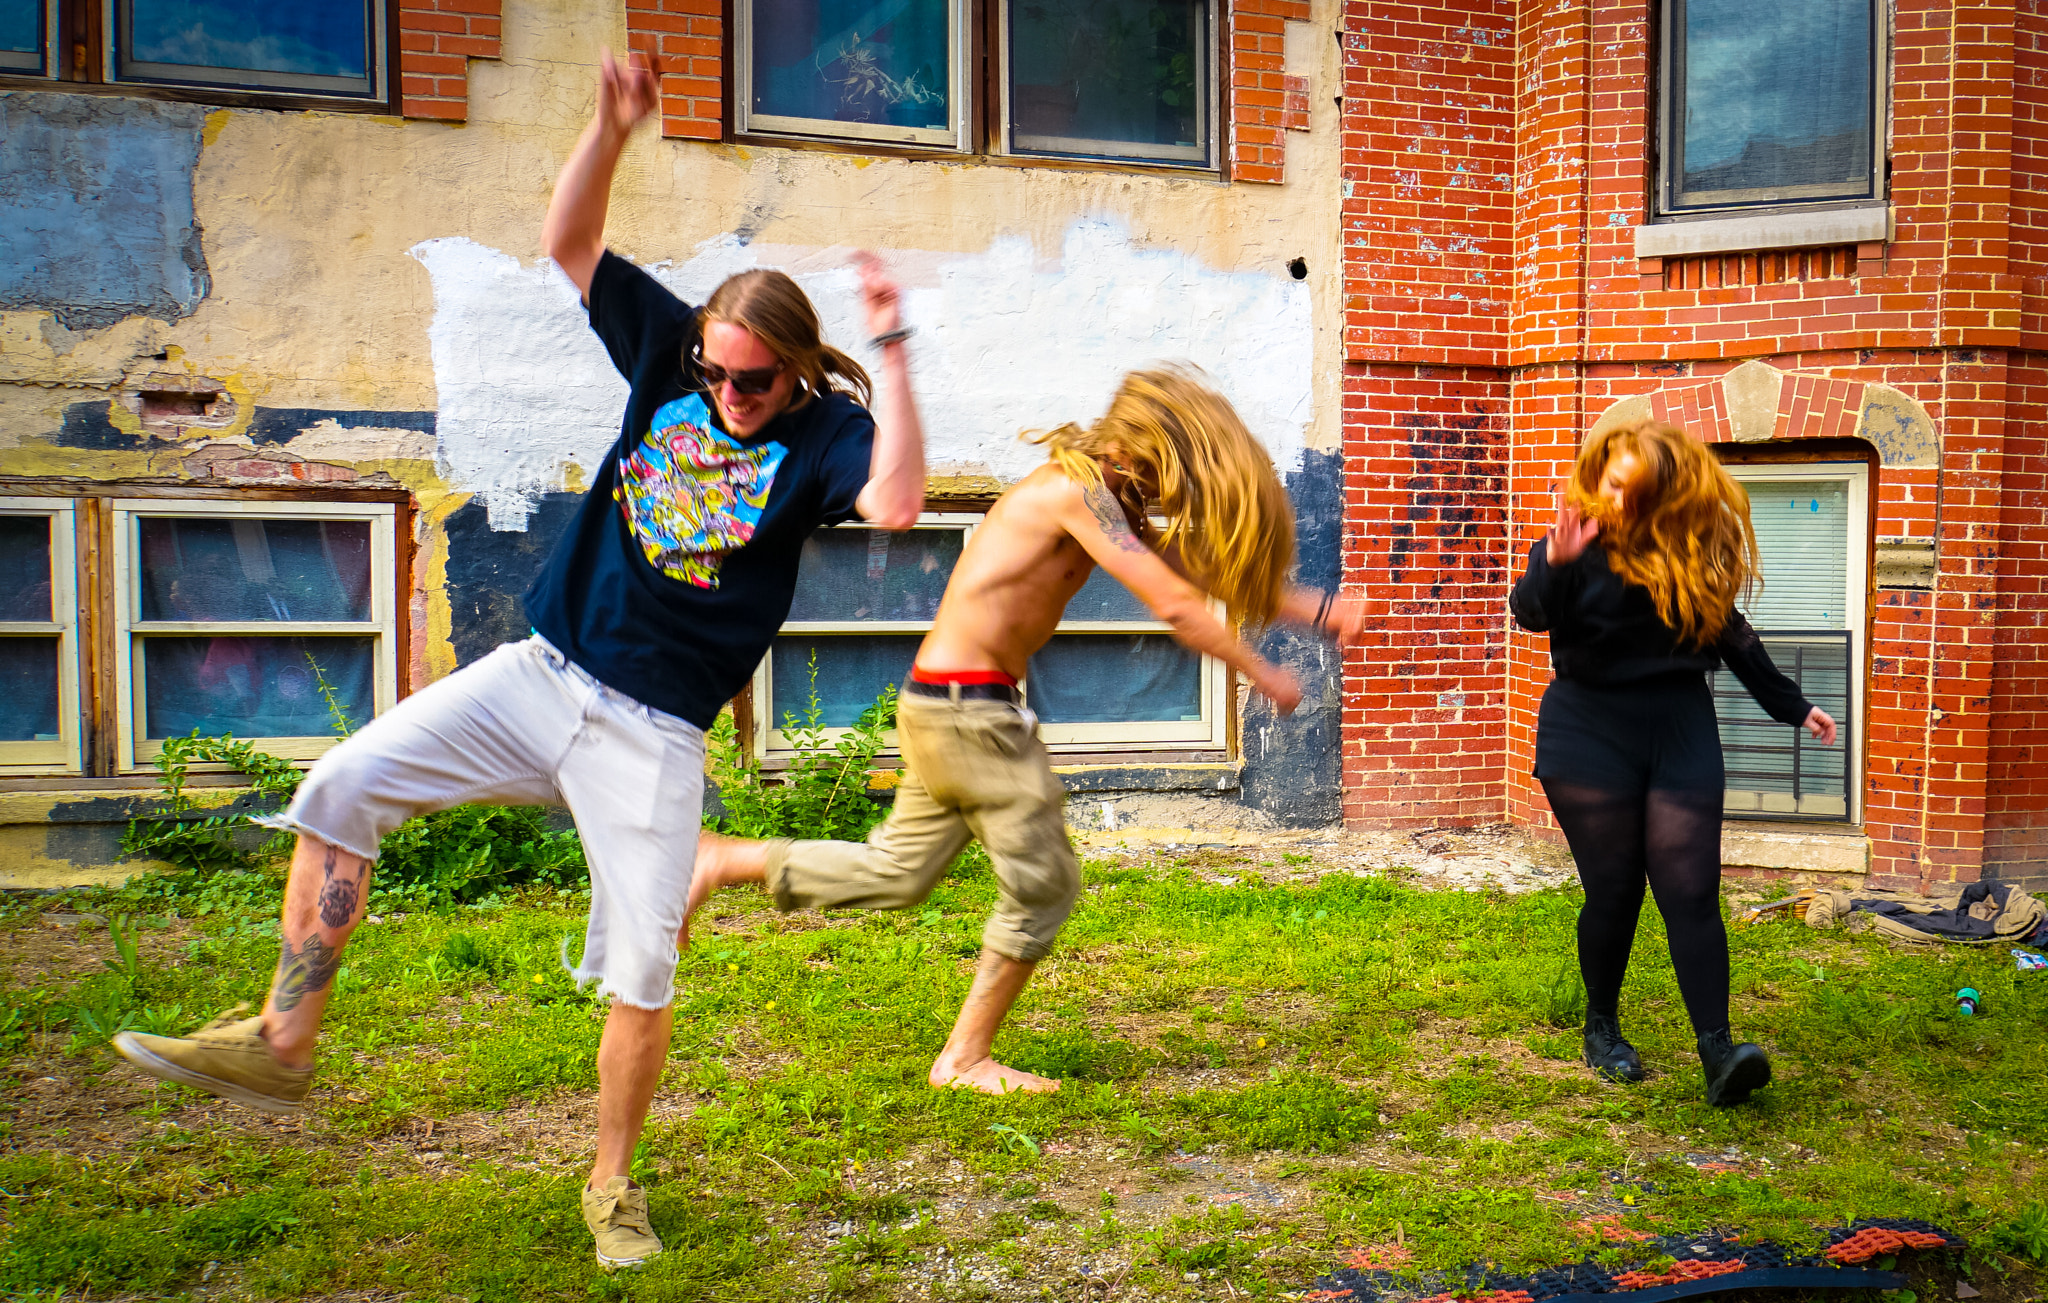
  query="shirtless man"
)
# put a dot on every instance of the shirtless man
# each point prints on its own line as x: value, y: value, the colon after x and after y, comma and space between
x: 1169, y: 446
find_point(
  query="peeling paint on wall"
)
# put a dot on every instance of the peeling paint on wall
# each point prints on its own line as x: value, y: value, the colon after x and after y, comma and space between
x: 1008, y: 341
x: 96, y: 218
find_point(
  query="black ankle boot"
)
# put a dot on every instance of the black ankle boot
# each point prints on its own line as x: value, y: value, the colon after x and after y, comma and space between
x: 1607, y: 1053
x: 1733, y: 1070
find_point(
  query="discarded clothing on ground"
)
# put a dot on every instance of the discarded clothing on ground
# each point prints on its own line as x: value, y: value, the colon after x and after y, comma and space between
x: 1982, y: 913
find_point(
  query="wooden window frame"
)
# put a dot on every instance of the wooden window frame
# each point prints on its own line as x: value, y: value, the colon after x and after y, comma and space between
x: 771, y: 744
x: 80, y: 57
x: 1004, y: 137
x: 63, y: 756
x: 982, y: 90
x: 100, y: 706
x: 1668, y: 16
x: 137, y: 750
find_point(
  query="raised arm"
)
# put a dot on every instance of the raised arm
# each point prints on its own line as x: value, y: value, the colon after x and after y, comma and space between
x: 1092, y: 515
x: 573, y: 234
x: 894, y: 493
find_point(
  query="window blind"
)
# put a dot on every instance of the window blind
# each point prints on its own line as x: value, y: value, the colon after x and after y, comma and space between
x: 1802, y: 540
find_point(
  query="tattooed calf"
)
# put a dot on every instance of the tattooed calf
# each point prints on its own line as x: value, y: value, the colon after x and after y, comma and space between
x: 338, y: 897
x: 301, y: 973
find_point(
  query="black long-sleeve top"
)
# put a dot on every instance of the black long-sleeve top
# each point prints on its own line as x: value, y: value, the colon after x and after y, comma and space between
x: 1605, y: 632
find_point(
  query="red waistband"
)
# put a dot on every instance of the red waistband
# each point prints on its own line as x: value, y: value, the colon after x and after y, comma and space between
x: 919, y: 674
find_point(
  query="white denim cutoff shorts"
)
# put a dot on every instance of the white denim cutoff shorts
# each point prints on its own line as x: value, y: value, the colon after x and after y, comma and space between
x: 524, y: 726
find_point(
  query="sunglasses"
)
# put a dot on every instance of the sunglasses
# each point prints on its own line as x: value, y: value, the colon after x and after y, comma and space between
x: 757, y: 381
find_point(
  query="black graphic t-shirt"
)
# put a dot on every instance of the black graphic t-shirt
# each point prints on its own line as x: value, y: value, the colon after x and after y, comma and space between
x: 681, y: 561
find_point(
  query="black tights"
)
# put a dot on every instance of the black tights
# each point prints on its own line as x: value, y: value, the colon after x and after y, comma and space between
x: 1672, y: 841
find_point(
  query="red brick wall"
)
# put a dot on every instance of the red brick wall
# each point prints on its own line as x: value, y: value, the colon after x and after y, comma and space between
x: 1425, y: 457
x: 688, y: 37
x: 2016, y: 789
x: 1257, y: 97
x: 1956, y: 734
x: 436, y: 41
x: 1428, y: 175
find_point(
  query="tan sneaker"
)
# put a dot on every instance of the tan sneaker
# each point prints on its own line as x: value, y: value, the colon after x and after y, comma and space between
x: 227, y: 1057
x: 617, y: 1216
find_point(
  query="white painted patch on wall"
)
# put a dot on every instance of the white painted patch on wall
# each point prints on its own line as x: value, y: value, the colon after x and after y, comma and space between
x: 1007, y: 342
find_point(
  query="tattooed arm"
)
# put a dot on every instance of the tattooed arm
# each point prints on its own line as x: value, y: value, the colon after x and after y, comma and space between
x: 1098, y: 522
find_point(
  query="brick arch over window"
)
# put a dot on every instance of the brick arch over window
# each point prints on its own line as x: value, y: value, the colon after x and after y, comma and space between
x: 1755, y: 402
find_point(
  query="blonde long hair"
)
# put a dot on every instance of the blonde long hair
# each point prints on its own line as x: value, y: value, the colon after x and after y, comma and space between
x: 1193, y: 461
x: 1684, y: 531
x: 778, y: 313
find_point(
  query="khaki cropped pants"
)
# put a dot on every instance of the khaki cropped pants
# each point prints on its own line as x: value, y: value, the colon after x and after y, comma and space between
x: 970, y: 769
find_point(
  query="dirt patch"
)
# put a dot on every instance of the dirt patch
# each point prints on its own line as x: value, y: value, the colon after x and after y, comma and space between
x: 62, y: 944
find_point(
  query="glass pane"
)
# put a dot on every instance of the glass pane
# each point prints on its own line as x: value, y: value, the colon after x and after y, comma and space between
x: 28, y: 690
x: 852, y: 671
x: 872, y: 574
x: 256, y: 687
x: 1784, y: 770
x: 1776, y: 98
x: 21, y: 32
x: 1083, y: 678
x: 879, y: 62
x: 238, y: 568
x: 1103, y: 598
x: 25, y: 568
x: 322, y: 38
x: 1108, y: 76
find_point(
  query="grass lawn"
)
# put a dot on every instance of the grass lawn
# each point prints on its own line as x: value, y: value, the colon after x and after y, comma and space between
x: 1268, y: 1065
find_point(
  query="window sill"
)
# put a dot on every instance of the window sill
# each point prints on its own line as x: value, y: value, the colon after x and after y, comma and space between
x: 217, y: 97
x: 1798, y: 847
x: 873, y: 149
x: 1761, y: 231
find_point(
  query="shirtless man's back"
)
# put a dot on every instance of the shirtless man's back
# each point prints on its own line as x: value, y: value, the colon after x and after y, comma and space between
x: 973, y: 763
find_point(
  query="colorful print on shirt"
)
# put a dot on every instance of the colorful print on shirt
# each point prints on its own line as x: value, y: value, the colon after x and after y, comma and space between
x: 693, y: 493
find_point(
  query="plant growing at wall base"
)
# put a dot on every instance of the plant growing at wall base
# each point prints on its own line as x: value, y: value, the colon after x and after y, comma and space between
x: 823, y: 793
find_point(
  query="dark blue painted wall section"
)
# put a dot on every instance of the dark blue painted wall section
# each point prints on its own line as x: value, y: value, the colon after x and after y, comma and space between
x: 488, y: 571
x: 96, y: 220
x: 1293, y: 766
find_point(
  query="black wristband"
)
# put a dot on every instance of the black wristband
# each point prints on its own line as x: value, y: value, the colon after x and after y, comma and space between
x: 1323, y: 609
x: 889, y: 337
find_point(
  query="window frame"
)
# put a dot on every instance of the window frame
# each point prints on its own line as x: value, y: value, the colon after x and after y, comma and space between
x: 64, y: 756
x: 982, y: 100
x: 92, y: 24
x: 1856, y: 610
x: 1666, y: 175
x: 1005, y: 136
x: 959, y: 90
x: 770, y: 743
x: 135, y: 751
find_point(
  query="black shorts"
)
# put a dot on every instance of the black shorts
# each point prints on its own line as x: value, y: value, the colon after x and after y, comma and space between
x: 1658, y: 734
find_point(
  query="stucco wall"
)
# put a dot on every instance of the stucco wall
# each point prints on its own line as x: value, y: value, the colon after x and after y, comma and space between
x: 366, y: 295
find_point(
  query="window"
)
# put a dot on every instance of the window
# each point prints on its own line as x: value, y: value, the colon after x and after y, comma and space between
x: 1110, y: 80
x: 264, y: 620
x: 1112, y: 678
x: 38, y: 638
x: 1767, y: 103
x: 128, y: 620
x: 329, y: 50
x: 1812, y: 541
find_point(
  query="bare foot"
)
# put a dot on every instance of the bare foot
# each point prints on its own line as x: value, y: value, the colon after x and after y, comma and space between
x: 721, y: 861
x: 990, y: 1078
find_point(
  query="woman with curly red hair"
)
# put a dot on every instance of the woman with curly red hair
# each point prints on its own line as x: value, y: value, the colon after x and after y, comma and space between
x: 1636, y: 584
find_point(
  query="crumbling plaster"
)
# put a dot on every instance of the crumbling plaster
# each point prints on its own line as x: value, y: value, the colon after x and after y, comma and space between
x: 317, y: 300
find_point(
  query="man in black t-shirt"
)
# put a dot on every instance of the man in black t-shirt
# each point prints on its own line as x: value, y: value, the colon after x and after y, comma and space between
x: 743, y: 434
